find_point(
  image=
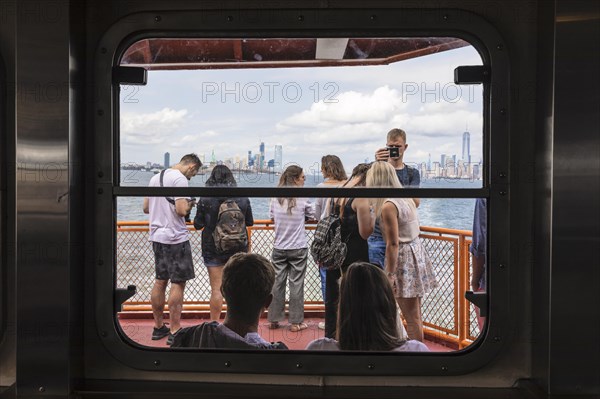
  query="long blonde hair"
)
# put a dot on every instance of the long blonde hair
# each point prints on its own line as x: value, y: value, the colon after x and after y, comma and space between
x: 289, y: 178
x: 381, y: 174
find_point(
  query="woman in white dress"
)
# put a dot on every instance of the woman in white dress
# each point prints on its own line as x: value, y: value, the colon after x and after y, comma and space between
x: 407, y: 264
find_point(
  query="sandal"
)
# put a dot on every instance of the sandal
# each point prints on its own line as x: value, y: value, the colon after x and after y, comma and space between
x: 298, y: 327
x: 274, y: 325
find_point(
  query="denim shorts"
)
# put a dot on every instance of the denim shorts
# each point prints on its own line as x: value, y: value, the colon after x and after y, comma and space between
x: 212, y: 260
x: 173, y: 261
x: 376, y: 250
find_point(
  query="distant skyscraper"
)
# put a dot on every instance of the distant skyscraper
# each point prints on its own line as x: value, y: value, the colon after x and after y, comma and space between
x: 278, y: 158
x: 167, y: 160
x: 454, y: 160
x: 250, y: 160
x: 466, y: 147
x: 261, y: 159
x: 443, y: 161
x: 429, y: 163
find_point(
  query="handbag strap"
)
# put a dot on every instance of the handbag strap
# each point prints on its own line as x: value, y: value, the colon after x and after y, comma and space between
x: 162, y: 175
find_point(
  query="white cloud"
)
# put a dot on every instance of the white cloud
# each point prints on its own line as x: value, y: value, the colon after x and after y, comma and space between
x: 151, y: 128
x: 351, y: 107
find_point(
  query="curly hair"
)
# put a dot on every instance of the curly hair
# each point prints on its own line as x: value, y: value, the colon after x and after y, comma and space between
x: 221, y: 176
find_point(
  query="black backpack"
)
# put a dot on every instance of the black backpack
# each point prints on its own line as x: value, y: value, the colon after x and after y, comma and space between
x: 230, y: 233
x: 328, y: 249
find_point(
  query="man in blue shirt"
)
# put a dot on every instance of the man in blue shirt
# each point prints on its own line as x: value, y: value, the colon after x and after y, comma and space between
x: 393, y: 152
x: 478, y: 250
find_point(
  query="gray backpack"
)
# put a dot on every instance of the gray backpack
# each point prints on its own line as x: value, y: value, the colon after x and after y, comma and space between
x: 327, y: 249
x: 230, y: 233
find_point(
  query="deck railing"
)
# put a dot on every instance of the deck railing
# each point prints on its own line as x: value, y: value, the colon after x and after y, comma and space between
x: 447, y: 316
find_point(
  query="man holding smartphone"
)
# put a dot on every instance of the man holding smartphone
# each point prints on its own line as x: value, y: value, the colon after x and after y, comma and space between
x: 393, y: 152
x: 171, y: 244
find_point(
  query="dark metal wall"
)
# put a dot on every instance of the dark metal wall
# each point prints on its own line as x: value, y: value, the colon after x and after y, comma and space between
x: 7, y: 202
x: 554, y: 174
x: 574, y: 347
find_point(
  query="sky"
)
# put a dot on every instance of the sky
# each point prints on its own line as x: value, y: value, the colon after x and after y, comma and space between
x: 311, y: 112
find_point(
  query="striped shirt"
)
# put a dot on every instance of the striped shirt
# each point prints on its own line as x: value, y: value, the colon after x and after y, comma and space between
x: 289, y: 228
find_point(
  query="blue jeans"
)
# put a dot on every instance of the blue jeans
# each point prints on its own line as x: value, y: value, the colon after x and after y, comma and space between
x: 323, y: 274
x: 376, y: 250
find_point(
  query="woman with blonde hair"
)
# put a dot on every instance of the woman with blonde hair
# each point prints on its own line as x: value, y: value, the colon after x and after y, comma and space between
x: 407, y: 264
x: 290, y: 251
x: 367, y: 318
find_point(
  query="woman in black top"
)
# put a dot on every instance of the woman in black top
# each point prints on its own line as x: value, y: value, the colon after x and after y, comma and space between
x: 357, y: 226
x: 206, y: 219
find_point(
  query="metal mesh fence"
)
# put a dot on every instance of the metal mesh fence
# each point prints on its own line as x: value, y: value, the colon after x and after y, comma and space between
x: 438, y: 306
x: 135, y: 266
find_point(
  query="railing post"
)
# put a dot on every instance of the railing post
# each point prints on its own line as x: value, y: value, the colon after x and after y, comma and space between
x: 463, y: 306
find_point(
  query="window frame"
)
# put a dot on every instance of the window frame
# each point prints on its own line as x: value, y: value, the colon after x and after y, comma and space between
x: 314, y: 23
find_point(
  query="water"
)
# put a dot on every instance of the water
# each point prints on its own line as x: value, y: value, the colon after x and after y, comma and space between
x: 453, y: 213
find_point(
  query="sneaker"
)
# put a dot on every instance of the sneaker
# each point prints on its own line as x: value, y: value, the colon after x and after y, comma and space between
x: 172, y: 337
x: 159, y: 333
x: 321, y: 325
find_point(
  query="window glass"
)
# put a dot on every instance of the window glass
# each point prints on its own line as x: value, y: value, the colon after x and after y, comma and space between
x: 258, y: 106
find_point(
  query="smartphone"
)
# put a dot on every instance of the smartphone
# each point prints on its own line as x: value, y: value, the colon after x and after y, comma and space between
x: 394, y: 152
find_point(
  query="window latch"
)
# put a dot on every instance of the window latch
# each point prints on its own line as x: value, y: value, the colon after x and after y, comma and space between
x: 479, y: 299
x: 123, y: 294
x: 130, y: 75
x: 472, y: 74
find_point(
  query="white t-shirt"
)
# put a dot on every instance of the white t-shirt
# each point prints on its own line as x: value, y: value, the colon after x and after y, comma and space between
x: 289, y: 229
x: 328, y: 344
x: 166, y: 226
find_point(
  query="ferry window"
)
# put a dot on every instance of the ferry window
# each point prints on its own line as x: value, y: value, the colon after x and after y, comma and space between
x: 257, y: 106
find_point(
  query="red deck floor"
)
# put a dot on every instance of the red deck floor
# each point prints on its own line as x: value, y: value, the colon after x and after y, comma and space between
x: 140, y: 331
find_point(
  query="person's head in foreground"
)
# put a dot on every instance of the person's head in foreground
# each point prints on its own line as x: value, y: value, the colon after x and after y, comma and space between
x: 246, y: 286
x: 367, y: 317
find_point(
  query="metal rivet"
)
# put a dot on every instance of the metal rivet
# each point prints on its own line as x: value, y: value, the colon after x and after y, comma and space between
x: 229, y: 18
x: 103, y: 50
x: 501, y: 266
x: 499, y: 47
x: 228, y: 364
x: 444, y: 368
x: 100, y: 190
x: 103, y: 333
x: 100, y: 174
x: 157, y: 362
x: 503, y: 111
x: 373, y: 17
x: 496, y: 339
x: 100, y: 112
x: 300, y: 17
x: 446, y: 17
x: 158, y: 18
x: 502, y: 193
x: 502, y: 174
x: 298, y: 365
x: 371, y: 367
x: 42, y: 389
x: 486, y: 73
